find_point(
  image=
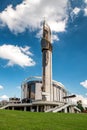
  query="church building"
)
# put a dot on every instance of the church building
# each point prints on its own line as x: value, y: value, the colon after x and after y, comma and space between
x: 42, y: 94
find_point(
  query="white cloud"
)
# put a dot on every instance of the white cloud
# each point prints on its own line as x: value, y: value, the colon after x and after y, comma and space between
x: 30, y: 13
x: 85, y: 1
x: 85, y: 11
x: 74, y: 13
x: 26, y: 50
x: 76, y: 10
x: 16, y: 55
x: 84, y: 84
x: 82, y: 98
x: 1, y: 87
x: 18, y: 87
x: 55, y: 38
x: 4, y: 97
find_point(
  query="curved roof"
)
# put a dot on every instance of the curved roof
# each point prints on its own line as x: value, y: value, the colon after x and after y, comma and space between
x: 37, y: 78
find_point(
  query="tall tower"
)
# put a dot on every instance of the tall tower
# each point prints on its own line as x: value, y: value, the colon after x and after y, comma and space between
x: 47, y: 89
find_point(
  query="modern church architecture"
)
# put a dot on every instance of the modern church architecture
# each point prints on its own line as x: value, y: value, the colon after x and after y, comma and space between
x: 42, y: 94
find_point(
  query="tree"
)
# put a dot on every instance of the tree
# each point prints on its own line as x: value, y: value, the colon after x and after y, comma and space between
x: 79, y: 105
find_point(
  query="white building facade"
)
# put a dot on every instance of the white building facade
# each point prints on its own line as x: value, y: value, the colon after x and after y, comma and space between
x: 32, y: 90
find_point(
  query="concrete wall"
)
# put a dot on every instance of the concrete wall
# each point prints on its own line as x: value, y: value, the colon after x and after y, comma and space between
x: 38, y: 95
x: 57, y: 92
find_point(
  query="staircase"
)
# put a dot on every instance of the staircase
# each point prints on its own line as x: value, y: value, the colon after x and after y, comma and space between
x: 5, y: 106
x: 61, y: 108
x: 51, y: 109
x: 58, y: 108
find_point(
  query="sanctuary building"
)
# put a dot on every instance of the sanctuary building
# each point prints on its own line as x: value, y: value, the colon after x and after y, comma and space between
x: 42, y: 94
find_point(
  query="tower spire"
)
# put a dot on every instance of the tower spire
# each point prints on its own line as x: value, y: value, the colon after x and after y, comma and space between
x: 44, y: 21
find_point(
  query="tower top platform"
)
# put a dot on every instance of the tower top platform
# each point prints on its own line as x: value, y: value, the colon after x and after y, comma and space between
x: 46, y: 32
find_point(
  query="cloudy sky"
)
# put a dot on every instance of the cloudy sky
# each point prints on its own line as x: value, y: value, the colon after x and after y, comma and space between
x: 20, y: 49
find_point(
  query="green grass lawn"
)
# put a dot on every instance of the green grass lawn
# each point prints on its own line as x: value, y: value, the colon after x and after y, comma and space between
x: 18, y: 120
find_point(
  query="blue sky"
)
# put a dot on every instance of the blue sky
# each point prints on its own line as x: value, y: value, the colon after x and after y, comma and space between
x: 20, y: 49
